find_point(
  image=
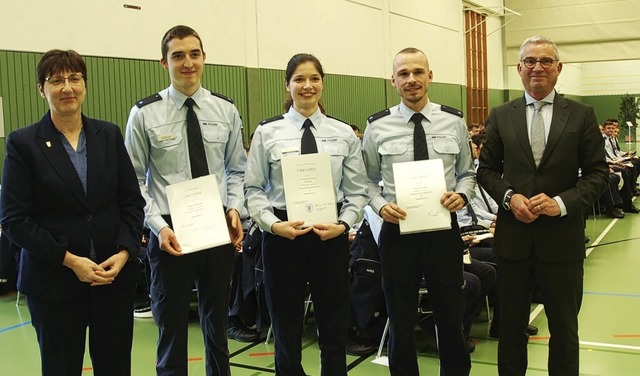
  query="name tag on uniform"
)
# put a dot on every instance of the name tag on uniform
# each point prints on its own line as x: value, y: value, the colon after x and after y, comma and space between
x: 166, y: 137
x: 291, y: 149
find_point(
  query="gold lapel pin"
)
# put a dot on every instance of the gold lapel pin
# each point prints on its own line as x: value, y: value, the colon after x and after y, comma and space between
x: 48, y: 144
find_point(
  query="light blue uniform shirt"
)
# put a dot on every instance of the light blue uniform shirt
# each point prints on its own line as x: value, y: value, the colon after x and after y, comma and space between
x: 389, y: 140
x: 274, y: 140
x: 156, y: 139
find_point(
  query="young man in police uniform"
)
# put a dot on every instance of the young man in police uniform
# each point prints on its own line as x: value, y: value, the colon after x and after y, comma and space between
x: 437, y: 255
x: 161, y: 149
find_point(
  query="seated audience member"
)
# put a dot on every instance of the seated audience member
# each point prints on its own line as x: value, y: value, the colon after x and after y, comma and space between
x: 621, y: 164
x: 474, y: 129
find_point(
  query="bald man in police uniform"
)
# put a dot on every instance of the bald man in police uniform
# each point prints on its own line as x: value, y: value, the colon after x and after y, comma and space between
x: 436, y: 255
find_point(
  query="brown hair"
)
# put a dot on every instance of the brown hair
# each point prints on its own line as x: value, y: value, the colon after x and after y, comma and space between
x: 57, y: 61
x: 292, y: 65
x: 180, y: 32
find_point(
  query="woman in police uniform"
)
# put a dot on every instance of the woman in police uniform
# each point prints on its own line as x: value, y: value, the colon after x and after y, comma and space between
x: 318, y: 254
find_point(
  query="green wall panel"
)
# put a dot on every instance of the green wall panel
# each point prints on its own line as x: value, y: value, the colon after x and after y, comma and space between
x: 605, y: 106
x: 352, y: 99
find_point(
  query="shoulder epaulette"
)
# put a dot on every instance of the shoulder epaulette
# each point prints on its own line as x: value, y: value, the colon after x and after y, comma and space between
x: 222, y: 96
x: 451, y: 110
x: 334, y: 118
x: 150, y: 99
x: 265, y: 121
x: 378, y: 115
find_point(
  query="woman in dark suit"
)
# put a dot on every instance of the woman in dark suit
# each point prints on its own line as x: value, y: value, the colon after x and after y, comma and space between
x: 70, y: 200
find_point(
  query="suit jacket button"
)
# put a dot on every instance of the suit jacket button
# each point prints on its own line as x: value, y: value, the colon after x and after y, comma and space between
x: 89, y: 218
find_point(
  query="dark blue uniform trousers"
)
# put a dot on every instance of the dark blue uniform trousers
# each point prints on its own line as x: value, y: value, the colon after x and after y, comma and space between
x: 288, y: 266
x: 172, y: 280
x: 405, y: 260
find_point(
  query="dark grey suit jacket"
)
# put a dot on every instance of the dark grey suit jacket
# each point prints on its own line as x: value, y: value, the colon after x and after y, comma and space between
x: 572, y: 167
x: 46, y: 211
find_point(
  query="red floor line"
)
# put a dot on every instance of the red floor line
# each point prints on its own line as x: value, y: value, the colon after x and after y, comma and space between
x: 262, y: 354
x: 539, y: 338
x: 626, y: 336
x: 195, y: 359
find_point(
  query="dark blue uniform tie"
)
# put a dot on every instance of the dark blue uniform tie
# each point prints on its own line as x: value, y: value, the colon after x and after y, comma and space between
x: 197, y: 156
x: 420, y: 150
x: 308, y: 143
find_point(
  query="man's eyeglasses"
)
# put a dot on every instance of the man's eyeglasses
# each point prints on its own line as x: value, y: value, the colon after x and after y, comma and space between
x: 545, y: 62
x: 74, y: 80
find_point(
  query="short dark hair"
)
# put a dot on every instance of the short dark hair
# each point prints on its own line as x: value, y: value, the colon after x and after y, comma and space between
x: 180, y: 32
x: 292, y: 65
x: 57, y: 61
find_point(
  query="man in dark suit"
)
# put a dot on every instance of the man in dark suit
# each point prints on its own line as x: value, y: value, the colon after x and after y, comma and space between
x: 544, y: 163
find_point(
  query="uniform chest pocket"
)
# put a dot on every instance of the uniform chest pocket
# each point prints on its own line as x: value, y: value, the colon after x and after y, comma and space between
x: 445, y: 146
x: 215, y: 134
x: 335, y: 149
x: 284, y: 151
x: 164, y: 137
x: 393, y: 148
x: 167, y: 152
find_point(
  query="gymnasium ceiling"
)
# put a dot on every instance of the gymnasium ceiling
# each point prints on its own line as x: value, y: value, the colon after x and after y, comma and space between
x: 584, y: 30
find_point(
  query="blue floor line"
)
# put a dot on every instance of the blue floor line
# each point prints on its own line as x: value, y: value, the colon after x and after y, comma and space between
x: 612, y: 294
x: 15, y: 326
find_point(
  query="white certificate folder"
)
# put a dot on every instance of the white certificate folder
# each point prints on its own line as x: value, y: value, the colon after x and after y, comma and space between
x: 197, y: 214
x: 308, y: 189
x: 419, y: 187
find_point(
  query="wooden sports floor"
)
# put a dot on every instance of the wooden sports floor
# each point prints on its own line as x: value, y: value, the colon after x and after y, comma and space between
x: 609, y: 325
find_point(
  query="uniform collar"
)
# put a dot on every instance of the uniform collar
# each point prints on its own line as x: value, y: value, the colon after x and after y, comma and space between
x: 407, y: 113
x: 179, y: 98
x: 298, y: 119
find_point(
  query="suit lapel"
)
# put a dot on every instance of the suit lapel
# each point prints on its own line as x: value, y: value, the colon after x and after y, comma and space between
x: 558, y: 122
x: 95, y: 156
x: 48, y: 139
x: 519, y: 121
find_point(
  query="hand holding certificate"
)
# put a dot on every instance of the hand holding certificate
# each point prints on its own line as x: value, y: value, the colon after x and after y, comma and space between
x: 419, y: 187
x: 308, y: 188
x: 197, y: 214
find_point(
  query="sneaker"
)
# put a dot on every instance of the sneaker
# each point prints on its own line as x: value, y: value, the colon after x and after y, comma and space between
x: 143, y: 311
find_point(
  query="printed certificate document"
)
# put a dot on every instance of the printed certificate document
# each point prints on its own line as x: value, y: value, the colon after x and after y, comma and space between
x: 419, y: 187
x: 197, y: 213
x: 308, y: 188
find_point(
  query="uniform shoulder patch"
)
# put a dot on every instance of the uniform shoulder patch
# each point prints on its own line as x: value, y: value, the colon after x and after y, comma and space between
x: 150, y: 99
x: 335, y: 118
x: 378, y: 115
x: 222, y: 97
x: 265, y: 121
x: 452, y: 110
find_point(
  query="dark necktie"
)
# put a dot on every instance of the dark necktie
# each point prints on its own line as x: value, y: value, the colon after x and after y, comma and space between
x: 485, y: 199
x: 420, y: 150
x: 472, y: 213
x: 197, y: 156
x: 308, y: 142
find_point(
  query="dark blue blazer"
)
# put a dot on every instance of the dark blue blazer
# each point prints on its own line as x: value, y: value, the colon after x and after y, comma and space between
x: 45, y: 210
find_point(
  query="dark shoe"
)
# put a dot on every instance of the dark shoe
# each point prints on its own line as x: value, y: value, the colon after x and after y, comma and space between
x: 615, y: 213
x: 532, y: 330
x: 471, y: 346
x: 143, y: 310
x: 358, y: 349
x: 631, y: 209
x: 586, y: 239
x: 237, y: 331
